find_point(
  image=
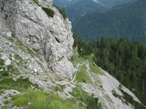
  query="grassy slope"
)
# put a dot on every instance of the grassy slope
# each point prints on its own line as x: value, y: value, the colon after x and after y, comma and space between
x: 41, y: 100
x: 76, y: 60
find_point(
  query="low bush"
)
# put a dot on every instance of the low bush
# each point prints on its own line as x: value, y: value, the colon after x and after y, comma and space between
x: 63, y: 13
x: 48, y: 11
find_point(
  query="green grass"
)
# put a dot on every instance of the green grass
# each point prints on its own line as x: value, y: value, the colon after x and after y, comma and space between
x: 79, y: 94
x: 21, y: 84
x: 76, y: 58
x: 84, y: 97
x: 6, y: 101
x: 27, y: 49
x: 18, y: 60
x: 5, y: 71
x: 10, y: 39
x: 1, y: 91
x: 2, y: 69
x: 23, y: 47
x: 82, y: 75
x: 4, y: 107
x: 37, y: 99
x: 59, y: 87
x: 94, y: 68
x: 17, y: 57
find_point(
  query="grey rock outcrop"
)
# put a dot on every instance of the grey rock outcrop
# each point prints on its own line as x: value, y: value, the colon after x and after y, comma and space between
x: 51, y: 36
x: 6, y: 96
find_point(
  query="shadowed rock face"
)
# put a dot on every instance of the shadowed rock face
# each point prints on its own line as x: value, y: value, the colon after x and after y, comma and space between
x: 29, y: 23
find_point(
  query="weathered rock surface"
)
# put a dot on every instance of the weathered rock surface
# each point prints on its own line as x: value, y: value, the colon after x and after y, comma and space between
x: 51, y: 36
x: 6, y: 95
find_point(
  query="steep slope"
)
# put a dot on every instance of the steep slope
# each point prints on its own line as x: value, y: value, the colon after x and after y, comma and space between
x: 126, y: 21
x: 35, y: 47
x: 94, y: 80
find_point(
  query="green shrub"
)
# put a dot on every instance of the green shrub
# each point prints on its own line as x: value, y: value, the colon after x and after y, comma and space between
x: 93, y: 103
x: 79, y: 94
x: 1, y: 91
x: 59, y: 87
x: 21, y: 84
x: 4, y: 107
x: 36, y: 1
x: 6, y: 70
x: 82, y: 75
x: 63, y: 13
x: 117, y: 95
x: 6, y: 101
x: 48, y: 11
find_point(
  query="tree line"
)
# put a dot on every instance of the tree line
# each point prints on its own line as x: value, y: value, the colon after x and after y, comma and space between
x: 125, y: 60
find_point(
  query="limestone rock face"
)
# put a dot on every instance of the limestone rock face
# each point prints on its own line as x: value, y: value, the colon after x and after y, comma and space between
x: 50, y: 35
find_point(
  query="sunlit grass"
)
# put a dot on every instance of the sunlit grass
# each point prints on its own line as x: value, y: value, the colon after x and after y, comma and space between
x: 37, y: 99
x: 20, y: 84
x: 77, y: 59
x: 82, y: 75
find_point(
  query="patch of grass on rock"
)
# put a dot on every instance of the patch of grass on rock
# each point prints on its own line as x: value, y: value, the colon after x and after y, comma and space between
x: 37, y: 99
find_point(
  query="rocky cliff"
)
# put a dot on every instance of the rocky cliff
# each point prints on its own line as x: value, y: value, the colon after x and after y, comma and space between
x: 28, y: 22
x: 36, y: 43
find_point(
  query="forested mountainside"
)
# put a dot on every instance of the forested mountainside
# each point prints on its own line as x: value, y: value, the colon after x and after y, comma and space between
x: 125, y: 60
x: 125, y: 21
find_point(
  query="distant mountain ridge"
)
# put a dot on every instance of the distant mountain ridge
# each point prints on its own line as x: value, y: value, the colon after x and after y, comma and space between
x: 79, y: 8
x: 126, y: 21
x: 82, y: 8
x: 111, y: 3
x: 108, y: 3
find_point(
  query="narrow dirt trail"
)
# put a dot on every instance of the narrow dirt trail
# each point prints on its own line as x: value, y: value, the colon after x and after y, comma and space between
x: 79, y: 66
